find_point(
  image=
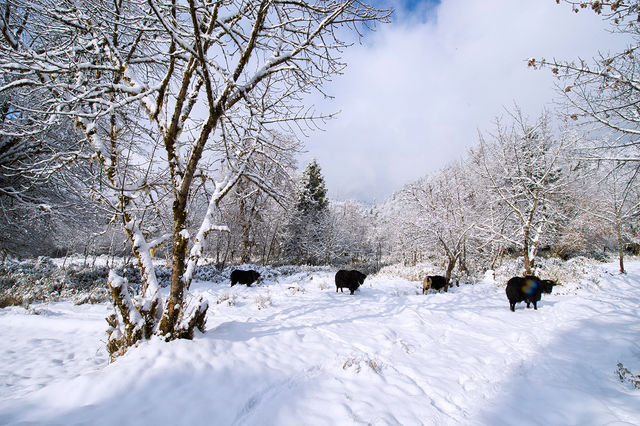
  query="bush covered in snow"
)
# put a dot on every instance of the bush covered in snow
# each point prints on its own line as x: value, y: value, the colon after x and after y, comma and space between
x: 411, y: 272
x: 42, y: 280
x: 552, y: 268
x: 268, y: 273
x: 570, y: 274
x: 46, y: 280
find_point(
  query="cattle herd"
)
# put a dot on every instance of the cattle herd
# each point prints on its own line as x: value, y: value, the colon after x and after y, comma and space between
x: 526, y: 289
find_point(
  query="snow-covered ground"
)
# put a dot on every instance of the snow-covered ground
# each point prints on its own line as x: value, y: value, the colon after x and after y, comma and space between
x: 295, y: 352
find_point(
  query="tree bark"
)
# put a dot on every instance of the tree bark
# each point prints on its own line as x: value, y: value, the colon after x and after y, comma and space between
x: 620, y: 246
x: 450, y: 266
x: 525, y: 252
x: 179, y: 253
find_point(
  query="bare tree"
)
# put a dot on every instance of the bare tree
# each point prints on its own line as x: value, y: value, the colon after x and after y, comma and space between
x: 394, y: 229
x: 612, y: 197
x: 524, y: 171
x: 252, y: 214
x: 170, y: 94
x: 353, y: 225
x: 38, y: 200
x: 442, y: 206
x: 606, y: 90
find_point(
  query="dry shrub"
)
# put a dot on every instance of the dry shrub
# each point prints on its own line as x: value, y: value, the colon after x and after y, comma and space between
x: 411, y: 273
x: 264, y: 301
x: 97, y: 295
x: 229, y: 299
x: 357, y: 362
x: 563, y: 272
x: 626, y: 376
x: 10, y: 300
x: 293, y: 289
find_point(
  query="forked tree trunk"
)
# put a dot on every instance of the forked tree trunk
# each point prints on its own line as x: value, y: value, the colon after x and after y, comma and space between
x: 450, y: 266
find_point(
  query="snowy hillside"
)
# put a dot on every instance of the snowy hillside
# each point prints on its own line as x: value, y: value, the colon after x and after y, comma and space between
x: 296, y: 352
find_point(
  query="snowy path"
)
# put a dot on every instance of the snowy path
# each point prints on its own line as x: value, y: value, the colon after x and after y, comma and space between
x: 313, y: 356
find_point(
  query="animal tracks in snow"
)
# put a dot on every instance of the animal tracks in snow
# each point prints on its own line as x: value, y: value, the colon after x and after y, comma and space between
x: 313, y: 356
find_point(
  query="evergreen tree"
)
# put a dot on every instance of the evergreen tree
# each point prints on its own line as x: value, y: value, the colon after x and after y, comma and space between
x: 304, y: 242
x: 312, y: 195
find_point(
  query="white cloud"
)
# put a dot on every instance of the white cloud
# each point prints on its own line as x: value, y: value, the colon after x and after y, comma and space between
x: 415, y: 94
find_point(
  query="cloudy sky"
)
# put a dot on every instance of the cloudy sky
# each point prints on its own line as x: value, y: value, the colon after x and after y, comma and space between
x: 416, y: 91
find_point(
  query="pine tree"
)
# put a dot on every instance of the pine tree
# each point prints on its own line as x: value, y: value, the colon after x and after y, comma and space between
x: 312, y: 195
x: 306, y: 228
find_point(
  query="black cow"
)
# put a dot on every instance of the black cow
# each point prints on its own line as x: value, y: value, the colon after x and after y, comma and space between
x: 527, y: 289
x: 244, y: 277
x: 436, y: 282
x: 547, y: 286
x: 349, y: 279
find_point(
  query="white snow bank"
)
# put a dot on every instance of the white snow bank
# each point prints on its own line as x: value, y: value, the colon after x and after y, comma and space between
x: 296, y: 352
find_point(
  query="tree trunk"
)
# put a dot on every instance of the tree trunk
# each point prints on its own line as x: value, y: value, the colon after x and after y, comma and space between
x: 179, y: 253
x: 450, y: 266
x: 497, y: 258
x: 269, y: 251
x: 244, y: 250
x: 525, y: 252
x: 620, y: 246
x: 245, y: 244
x: 246, y: 217
x: 463, y: 258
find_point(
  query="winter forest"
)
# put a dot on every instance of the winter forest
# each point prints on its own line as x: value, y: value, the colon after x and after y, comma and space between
x: 154, y: 146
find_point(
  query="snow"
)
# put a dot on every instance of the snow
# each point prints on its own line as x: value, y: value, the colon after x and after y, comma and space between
x: 292, y: 351
x: 207, y: 224
x: 116, y: 280
x: 185, y: 234
x: 96, y: 141
x: 145, y: 258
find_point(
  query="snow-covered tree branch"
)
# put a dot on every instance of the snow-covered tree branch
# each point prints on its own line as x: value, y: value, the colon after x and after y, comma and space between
x: 523, y: 168
x: 166, y: 92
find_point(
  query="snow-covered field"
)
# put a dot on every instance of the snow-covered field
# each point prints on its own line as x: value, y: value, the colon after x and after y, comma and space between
x: 295, y: 352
